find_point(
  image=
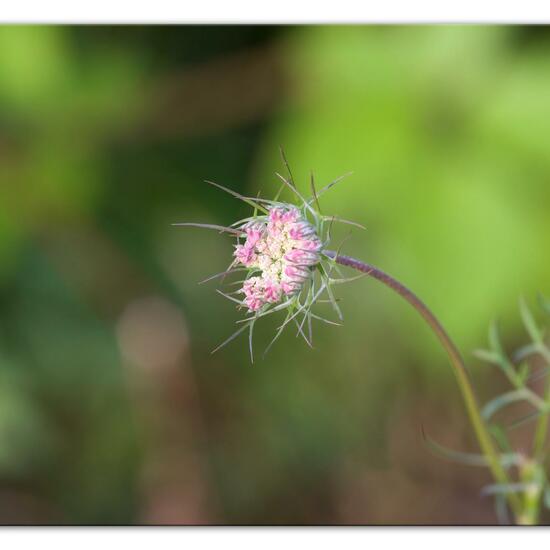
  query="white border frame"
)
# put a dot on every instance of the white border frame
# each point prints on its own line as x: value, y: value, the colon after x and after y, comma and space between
x: 352, y: 538
x: 278, y: 11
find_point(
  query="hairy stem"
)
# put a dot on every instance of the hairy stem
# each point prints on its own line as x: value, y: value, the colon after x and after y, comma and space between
x: 483, y: 436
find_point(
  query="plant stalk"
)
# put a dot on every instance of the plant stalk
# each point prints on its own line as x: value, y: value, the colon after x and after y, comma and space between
x: 480, y: 428
x: 542, y: 425
x: 532, y: 475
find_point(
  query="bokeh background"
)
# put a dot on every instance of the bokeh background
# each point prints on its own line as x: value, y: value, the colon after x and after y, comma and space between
x: 112, y: 408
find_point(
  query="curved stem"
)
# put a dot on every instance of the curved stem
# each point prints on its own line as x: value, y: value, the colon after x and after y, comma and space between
x: 483, y: 436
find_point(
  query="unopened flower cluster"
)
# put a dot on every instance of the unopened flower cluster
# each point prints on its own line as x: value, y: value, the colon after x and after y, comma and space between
x: 281, y: 249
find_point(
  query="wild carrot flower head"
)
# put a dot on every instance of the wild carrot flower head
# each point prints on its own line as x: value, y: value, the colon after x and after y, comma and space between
x: 280, y: 249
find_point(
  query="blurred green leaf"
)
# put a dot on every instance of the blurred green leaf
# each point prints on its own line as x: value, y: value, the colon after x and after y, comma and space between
x: 502, y: 401
x: 544, y: 303
x: 34, y: 66
x: 529, y: 322
x: 470, y: 459
x: 506, y: 488
x: 26, y: 439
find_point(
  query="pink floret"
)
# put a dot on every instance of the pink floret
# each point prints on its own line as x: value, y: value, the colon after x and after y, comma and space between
x: 276, y: 214
x: 272, y: 292
x: 295, y: 256
x: 314, y: 245
x: 295, y: 273
x: 254, y: 234
x: 290, y: 216
x: 245, y: 254
x: 253, y: 303
x: 300, y: 230
x: 290, y: 287
x: 302, y: 257
x: 254, y: 294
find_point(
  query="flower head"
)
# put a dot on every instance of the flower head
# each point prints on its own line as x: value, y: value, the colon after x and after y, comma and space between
x: 281, y: 250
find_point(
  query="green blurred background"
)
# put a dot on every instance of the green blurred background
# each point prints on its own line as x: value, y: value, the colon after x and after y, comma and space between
x: 113, y: 410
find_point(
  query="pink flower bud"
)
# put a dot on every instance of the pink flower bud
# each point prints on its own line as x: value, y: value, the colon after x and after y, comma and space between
x: 302, y: 257
x: 254, y: 293
x: 295, y: 273
x: 254, y: 303
x: 301, y: 230
x: 272, y: 292
x: 312, y: 245
x: 289, y: 287
x: 245, y: 254
x: 254, y: 234
x: 276, y: 214
x: 290, y: 216
x: 295, y: 256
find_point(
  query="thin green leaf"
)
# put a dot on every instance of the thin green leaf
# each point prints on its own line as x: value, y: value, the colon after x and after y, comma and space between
x: 301, y: 325
x: 334, y: 304
x: 280, y: 191
x: 277, y: 334
x: 250, y: 341
x: 301, y: 330
x: 275, y: 309
x: 332, y: 261
x: 265, y: 201
x: 287, y: 166
x: 232, y: 337
x: 344, y: 221
x: 494, y: 339
x: 524, y: 420
x: 247, y: 200
x: 336, y: 268
x: 231, y: 266
x: 525, y: 351
x: 222, y: 274
x: 239, y: 302
x: 329, y: 322
x: 299, y: 310
x: 504, y: 363
x: 329, y: 233
x: 248, y: 219
x: 536, y: 401
x: 468, y: 459
x: 220, y: 228
x: 487, y: 356
x: 255, y: 213
x: 529, y: 322
x: 544, y: 303
x: 332, y: 184
x: 502, y: 401
x: 347, y: 279
x: 506, y: 488
x: 314, y: 192
x: 296, y: 192
x: 501, y: 437
x: 523, y: 373
x: 539, y: 374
